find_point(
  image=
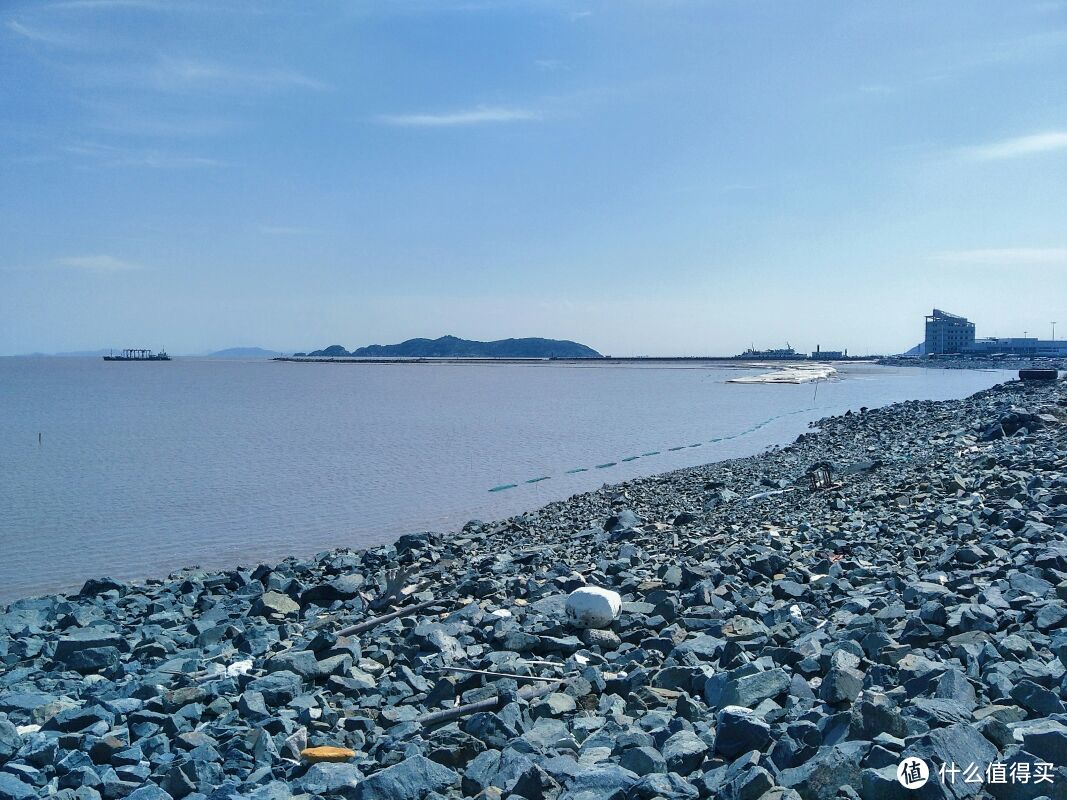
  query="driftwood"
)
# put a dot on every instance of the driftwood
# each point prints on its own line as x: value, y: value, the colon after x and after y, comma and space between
x: 397, y: 588
x: 490, y: 674
x: 374, y: 622
x: 492, y: 704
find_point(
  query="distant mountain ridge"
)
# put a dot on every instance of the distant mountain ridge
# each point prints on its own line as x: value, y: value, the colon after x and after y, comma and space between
x: 244, y: 352
x: 454, y: 347
x: 231, y: 352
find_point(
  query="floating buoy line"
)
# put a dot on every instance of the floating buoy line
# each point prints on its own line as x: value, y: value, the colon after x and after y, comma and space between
x: 608, y: 464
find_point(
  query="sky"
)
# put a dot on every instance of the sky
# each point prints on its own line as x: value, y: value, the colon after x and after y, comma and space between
x: 648, y: 177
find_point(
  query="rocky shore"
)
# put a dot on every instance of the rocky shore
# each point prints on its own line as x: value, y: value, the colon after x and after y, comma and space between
x: 975, y: 362
x: 774, y: 641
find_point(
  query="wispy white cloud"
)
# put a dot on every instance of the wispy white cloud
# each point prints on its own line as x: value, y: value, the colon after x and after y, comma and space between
x: 110, y: 156
x: 114, y: 118
x: 482, y: 115
x: 287, y: 230
x: 97, y: 263
x: 1027, y: 46
x: 185, y: 74
x: 1005, y: 256
x: 550, y: 65
x: 148, y: 5
x: 32, y: 159
x: 413, y: 7
x: 947, y: 62
x: 43, y: 36
x: 1017, y: 147
x: 160, y: 6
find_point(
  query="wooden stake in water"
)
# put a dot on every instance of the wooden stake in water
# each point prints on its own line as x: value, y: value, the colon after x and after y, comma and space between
x: 39, y: 434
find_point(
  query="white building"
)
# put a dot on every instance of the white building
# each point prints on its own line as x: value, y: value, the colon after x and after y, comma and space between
x: 1018, y: 346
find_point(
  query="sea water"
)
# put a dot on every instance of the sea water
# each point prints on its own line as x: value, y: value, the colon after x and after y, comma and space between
x: 137, y: 469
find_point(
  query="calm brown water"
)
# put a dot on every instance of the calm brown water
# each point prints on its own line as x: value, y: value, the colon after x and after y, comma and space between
x: 145, y: 468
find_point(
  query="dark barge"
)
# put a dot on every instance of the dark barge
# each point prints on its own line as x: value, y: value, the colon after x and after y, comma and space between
x: 132, y: 354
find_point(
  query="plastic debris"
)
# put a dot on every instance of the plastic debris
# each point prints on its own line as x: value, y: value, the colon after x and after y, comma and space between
x: 239, y: 668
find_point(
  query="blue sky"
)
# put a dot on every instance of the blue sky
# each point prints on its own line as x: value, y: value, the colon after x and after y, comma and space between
x: 645, y: 176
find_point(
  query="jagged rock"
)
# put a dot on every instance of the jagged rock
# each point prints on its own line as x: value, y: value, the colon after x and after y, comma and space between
x: 411, y: 779
x: 830, y: 768
x: 606, y: 640
x: 88, y: 639
x: 841, y: 685
x: 12, y: 788
x: 684, y: 752
x: 555, y: 704
x: 600, y: 781
x: 738, y: 730
x: 344, y: 588
x: 643, y: 760
x: 331, y: 779
x: 275, y: 604
x: 10, y: 740
x: 746, y: 690
x: 958, y: 744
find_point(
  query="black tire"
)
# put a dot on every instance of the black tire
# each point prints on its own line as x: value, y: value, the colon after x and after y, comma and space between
x: 1038, y: 374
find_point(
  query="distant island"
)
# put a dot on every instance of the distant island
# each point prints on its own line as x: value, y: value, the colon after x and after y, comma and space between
x: 454, y: 347
x: 244, y: 352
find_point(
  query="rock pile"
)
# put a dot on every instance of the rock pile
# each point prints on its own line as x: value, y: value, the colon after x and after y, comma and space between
x: 770, y: 641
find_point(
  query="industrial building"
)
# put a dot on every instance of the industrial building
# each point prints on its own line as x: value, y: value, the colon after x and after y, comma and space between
x: 1017, y: 346
x: 828, y: 355
x: 954, y: 335
x: 948, y: 333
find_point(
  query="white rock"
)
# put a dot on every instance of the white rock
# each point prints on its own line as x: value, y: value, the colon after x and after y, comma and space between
x: 593, y: 607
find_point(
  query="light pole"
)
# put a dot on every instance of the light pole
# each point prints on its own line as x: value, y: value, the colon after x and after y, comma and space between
x: 1053, y: 330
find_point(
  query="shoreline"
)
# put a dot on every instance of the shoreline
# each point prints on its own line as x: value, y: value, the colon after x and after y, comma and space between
x: 720, y: 361
x: 976, y: 362
x: 205, y: 679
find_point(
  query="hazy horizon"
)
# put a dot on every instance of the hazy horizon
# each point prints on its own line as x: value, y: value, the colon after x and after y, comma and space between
x: 644, y: 177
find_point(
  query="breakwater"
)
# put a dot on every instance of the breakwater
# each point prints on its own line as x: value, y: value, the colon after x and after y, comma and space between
x: 976, y: 362
x: 773, y: 640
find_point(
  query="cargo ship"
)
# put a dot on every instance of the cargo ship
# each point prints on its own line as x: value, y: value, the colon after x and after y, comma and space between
x: 132, y: 354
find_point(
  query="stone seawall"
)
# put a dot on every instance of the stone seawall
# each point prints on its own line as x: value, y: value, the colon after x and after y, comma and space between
x: 774, y: 641
x: 963, y: 362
